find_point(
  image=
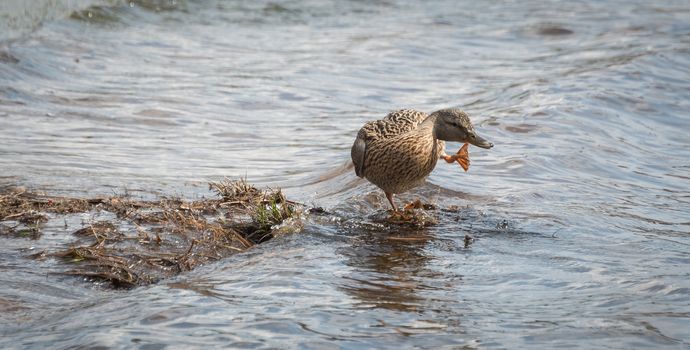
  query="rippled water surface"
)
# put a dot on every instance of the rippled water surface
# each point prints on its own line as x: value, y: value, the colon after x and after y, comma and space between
x: 579, y: 214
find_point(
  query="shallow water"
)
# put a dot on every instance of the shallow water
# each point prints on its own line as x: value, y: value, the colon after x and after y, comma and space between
x: 579, y: 215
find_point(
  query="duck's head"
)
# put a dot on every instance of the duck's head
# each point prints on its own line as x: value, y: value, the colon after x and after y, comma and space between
x: 452, y: 124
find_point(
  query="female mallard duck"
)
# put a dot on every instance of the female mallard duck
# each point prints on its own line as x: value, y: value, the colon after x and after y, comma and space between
x: 399, y: 152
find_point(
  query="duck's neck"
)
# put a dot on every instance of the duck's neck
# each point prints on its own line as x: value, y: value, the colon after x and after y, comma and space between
x: 428, y: 142
x: 428, y: 127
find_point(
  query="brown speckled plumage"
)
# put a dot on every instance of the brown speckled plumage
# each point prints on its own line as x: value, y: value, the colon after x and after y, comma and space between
x: 398, y: 152
x: 398, y: 156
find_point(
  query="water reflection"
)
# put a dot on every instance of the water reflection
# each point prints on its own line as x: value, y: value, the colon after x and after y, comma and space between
x: 388, y: 269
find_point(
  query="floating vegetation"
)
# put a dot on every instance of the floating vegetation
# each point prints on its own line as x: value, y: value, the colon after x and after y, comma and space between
x: 146, y: 241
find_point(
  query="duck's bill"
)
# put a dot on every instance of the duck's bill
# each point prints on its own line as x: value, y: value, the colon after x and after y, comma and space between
x: 480, y: 142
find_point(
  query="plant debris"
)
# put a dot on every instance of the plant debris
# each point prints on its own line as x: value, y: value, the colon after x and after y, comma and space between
x: 468, y: 241
x: 414, y: 214
x: 149, y: 240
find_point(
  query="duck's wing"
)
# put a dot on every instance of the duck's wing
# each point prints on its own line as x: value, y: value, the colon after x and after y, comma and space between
x: 358, y: 151
x: 402, y: 121
x: 395, y: 123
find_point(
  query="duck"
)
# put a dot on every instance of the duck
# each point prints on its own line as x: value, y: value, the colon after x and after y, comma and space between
x: 398, y: 152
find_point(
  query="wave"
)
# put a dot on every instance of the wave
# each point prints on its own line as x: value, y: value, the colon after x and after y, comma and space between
x: 20, y: 17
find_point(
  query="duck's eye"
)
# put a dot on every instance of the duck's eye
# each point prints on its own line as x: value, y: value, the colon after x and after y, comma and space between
x: 473, y: 136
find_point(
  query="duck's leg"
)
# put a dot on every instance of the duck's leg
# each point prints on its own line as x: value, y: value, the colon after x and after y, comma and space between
x: 462, y: 157
x: 449, y: 159
x: 390, y: 199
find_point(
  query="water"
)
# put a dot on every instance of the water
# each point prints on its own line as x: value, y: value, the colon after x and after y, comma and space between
x: 579, y: 215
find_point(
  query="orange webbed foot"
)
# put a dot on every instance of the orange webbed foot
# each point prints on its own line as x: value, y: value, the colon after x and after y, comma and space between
x: 463, y: 157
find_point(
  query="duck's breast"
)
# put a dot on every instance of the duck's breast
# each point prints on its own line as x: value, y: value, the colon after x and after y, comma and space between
x: 400, y: 163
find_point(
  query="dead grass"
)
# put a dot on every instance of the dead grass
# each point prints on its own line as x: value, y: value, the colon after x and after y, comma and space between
x: 151, y: 240
x: 235, y: 191
x: 20, y: 203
